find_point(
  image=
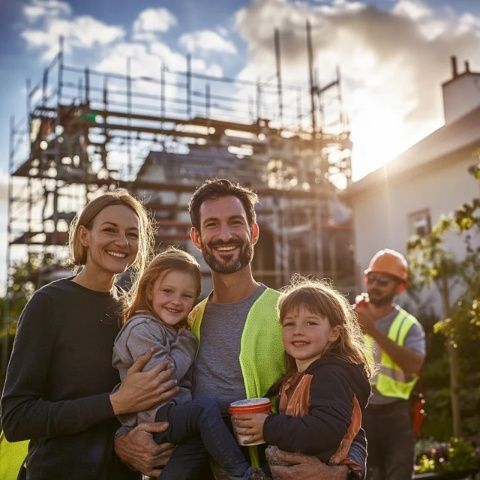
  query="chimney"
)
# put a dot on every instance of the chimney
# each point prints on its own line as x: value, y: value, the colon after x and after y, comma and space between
x: 461, y: 93
x: 453, y: 59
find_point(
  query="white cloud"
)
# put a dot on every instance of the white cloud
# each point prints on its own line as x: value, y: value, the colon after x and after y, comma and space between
x: 144, y: 37
x: 88, y: 31
x: 429, y: 25
x: 38, y: 39
x: 413, y: 9
x: 468, y: 23
x: 148, y: 59
x: 392, y: 62
x: 206, y: 40
x: 116, y: 60
x: 45, y: 8
x: 200, y: 66
x: 51, y: 20
x: 154, y: 20
x: 433, y: 28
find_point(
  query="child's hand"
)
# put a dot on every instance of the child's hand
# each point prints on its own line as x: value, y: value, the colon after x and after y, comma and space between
x: 250, y: 426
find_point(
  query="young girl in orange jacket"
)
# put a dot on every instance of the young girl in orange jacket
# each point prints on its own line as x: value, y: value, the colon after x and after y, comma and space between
x: 326, y: 388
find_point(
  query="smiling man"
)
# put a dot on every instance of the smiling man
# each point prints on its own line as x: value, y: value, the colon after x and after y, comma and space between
x: 239, y: 310
x: 240, y: 352
x: 397, y: 343
x: 224, y: 233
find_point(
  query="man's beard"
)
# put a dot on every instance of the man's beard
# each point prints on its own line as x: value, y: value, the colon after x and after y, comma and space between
x: 219, y: 266
x: 380, y: 301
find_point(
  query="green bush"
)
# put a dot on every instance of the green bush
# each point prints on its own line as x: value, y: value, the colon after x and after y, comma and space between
x: 457, y: 455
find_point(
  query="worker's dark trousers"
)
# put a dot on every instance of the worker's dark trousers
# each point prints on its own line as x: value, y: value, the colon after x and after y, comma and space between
x: 390, y: 441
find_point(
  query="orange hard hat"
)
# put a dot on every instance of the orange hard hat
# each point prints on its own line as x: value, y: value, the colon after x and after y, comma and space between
x: 390, y: 262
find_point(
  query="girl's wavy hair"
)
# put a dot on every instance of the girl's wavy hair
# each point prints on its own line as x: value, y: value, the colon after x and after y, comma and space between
x: 85, y: 218
x: 320, y: 298
x: 172, y: 259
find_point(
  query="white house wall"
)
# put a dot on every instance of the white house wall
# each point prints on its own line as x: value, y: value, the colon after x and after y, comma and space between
x: 381, y: 214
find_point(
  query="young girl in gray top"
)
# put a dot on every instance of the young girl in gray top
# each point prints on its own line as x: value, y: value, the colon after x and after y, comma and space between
x: 156, y: 318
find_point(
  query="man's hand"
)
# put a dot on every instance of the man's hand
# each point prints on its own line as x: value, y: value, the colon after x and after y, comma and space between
x: 306, y: 467
x: 365, y: 319
x: 139, y: 450
x: 140, y: 390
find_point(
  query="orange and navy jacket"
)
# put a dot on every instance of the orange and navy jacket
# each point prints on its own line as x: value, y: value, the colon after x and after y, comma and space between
x: 321, y: 410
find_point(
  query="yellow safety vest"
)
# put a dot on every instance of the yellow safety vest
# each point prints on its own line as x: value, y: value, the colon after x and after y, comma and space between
x: 391, y: 381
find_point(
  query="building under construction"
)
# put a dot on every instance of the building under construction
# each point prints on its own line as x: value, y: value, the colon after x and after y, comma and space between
x: 90, y: 131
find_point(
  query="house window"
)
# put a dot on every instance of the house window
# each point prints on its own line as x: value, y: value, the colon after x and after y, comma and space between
x: 420, y: 223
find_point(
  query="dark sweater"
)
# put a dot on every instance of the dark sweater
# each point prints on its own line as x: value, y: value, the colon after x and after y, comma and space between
x: 333, y: 386
x: 58, y: 383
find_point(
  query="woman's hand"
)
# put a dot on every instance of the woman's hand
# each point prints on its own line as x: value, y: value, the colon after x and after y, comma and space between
x: 250, y: 427
x: 139, y: 450
x: 140, y: 390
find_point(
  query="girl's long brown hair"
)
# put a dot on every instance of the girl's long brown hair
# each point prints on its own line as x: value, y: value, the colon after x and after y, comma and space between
x: 167, y: 261
x: 322, y: 299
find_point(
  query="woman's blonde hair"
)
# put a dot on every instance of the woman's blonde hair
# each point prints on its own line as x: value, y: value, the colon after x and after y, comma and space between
x: 172, y: 259
x: 320, y: 298
x: 146, y: 239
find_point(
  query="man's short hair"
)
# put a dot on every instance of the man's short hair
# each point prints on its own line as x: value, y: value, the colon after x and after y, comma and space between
x: 221, y: 187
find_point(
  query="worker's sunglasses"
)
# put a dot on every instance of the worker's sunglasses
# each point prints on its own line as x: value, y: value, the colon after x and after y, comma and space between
x: 380, y: 280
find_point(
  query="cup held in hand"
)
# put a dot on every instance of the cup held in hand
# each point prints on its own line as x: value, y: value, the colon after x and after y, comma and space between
x: 247, y: 407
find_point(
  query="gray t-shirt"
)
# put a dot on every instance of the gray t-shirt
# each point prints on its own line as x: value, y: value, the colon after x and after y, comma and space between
x: 216, y: 372
x: 415, y: 340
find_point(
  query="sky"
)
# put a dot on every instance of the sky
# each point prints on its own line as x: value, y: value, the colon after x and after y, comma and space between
x: 393, y: 55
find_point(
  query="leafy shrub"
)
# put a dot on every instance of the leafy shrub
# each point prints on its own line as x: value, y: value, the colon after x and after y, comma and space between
x: 458, y: 455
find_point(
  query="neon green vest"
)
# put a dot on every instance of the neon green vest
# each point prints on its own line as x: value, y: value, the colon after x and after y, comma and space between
x: 391, y: 381
x: 261, y: 348
x: 12, y: 457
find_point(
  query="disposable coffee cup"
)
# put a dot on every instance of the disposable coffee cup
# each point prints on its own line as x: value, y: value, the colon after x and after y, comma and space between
x: 248, y: 407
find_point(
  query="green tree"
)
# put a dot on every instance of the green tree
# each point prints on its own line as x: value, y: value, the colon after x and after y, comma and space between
x: 25, y: 277
x: 458, y: 282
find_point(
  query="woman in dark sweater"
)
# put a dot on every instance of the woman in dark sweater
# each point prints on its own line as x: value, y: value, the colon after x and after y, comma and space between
x: 60, y: 377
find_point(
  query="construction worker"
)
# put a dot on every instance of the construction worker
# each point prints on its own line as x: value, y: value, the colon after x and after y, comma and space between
x: 396, y: 341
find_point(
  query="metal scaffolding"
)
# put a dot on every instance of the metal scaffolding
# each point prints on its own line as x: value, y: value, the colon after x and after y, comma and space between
x: 90, y: 131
